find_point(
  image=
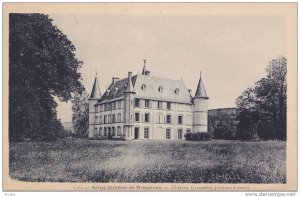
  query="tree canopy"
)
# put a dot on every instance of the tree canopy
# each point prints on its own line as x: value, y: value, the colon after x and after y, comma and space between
x: 80, y: 117
x: 262, y: 109
x: 42, y: 64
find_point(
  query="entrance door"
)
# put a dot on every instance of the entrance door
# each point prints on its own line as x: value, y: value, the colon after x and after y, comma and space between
x: 136, y: 133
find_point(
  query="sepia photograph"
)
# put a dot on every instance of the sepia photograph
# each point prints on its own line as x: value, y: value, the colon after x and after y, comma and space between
x: 150, y: 96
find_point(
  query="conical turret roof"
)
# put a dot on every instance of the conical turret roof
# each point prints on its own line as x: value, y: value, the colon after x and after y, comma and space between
x: 96, y: 94
x: 201, y: 92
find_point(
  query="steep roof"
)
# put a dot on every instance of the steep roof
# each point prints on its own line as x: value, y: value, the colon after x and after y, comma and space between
x: 95, y: 94
x: 115, y: 91
x: 201, y: 92
x: 147, y: 87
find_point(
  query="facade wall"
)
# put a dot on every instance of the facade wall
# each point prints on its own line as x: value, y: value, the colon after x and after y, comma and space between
x: 157, y: 125
x: 124, y: 125
x: 109, y: 120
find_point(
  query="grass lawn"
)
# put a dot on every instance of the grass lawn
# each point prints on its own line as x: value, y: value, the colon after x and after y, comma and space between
x: 149, y: 161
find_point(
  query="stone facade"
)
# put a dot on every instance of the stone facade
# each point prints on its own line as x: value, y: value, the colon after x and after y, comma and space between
x: 145, y: 107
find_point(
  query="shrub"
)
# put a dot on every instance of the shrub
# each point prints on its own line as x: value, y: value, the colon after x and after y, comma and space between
x: 198, y: 136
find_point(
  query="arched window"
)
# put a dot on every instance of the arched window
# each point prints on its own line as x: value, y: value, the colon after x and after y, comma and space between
x: 119, y: 131
x: 119, y: 117
x: 176, y: 91
x: 100, y: 131
x: 113, y: 118
x: 109, y: 119
x: 143, y: 87
x: 96, y: 120
x: 160, y: 88
x: 113, y: 131
x: 105, y: 119
x: 96, y: 132
x: 100, y: 119
x: 105, y: 131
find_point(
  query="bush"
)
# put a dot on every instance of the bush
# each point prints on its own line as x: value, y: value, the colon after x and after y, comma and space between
x: 198, y: 136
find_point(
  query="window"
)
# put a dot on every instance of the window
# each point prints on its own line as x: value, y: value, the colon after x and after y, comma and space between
x: 168, y: 105
x: 176, y: 91
x: 180, y: 120
x: 105, y: 131
x: 159, y: 105
x: 113, y: 131
x: 168, y: 134
x: 113, y: 118
x: 119, y: 131
x: 159, y: 118
x: 96, y: 120
x: 109, y: 119
x: 137, y: 117
x: 96, y: 132
x: 119, y: 104
x: 100, y: 131
x: 147, y: 103
x: 119, y: 117
x: 146, y: 133
x: 147, y: 117
x: 105, y: 119
x: 160, y: 88
x: 113, y: 105
x: 168, y: 120
x: 136, y: 102
x: 180, y: 134
x: 143, y: 87
x: 109, y: 106
x: 100, y: 119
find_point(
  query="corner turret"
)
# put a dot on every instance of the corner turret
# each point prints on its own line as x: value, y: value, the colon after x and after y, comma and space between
x: 200, y: 109
x: 129, y: 108
x: 93, y: 100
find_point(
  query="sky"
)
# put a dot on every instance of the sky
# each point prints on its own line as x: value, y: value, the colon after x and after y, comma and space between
x: 231, y: 51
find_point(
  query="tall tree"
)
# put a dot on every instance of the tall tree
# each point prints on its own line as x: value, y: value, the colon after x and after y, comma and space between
x: 42, y: 64
x: 80, y: 118
x: 262, y: 109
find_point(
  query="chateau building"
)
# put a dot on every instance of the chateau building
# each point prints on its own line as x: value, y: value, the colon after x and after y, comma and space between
x: 146, y: 107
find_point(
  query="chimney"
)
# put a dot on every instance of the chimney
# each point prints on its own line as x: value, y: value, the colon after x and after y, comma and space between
x: 148, y: 72
x: 190, y: 91
x: 129, y: 74
x: 114, y: 79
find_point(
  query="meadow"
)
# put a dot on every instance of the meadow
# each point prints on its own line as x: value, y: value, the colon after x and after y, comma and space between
x: 82, y: 160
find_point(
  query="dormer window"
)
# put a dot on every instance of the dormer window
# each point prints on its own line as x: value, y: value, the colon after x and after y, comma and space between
x: 176, y: 91
x: 143, y: 87
x: 160, y: 88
